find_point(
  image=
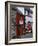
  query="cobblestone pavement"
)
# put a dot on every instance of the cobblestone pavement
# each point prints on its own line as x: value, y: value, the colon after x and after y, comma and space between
x: 27, y: 35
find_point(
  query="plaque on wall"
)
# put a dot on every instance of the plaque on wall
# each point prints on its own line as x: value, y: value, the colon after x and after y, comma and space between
x: 20, y: 22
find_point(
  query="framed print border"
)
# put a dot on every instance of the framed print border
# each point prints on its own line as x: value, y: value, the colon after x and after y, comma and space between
x: 6, y: 22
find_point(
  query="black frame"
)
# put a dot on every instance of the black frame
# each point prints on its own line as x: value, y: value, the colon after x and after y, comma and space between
x: 6, y: 21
